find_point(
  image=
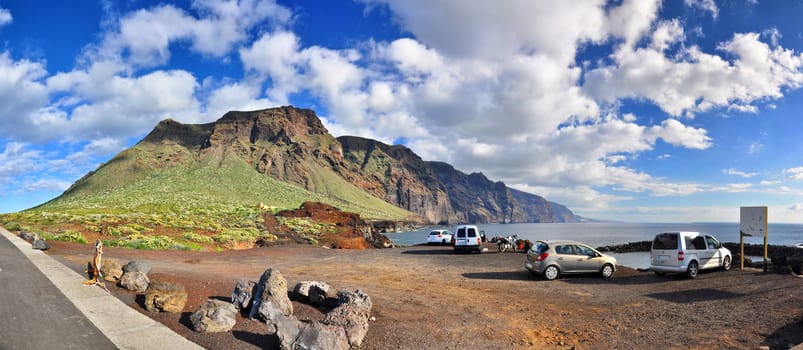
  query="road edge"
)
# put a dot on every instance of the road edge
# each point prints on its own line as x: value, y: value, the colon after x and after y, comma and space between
x: 124, y: 326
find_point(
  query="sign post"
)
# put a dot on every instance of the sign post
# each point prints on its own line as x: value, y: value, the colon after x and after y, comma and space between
x: 753, y: 222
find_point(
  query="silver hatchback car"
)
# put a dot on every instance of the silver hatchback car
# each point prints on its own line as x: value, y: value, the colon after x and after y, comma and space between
x: 551, y: 258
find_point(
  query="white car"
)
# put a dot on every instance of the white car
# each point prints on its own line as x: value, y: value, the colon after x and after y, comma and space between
x: 468, y: 238
x: 687, y: 252
x: 439, y: 237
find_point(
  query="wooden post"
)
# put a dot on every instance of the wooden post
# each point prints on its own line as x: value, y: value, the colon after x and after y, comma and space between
x: 766, y: 232
x: 741, y: 250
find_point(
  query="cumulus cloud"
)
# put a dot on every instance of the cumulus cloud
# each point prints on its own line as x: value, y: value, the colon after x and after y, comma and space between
x: 107, y: 103
x: 695, y: 81
x: 5, y: 17
x: 705, y: 5
x: 144, y: 36
x: 22, y: 93
x: 16, y: 159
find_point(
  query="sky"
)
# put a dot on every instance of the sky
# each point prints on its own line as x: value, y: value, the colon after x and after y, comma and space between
x: 632, y: 110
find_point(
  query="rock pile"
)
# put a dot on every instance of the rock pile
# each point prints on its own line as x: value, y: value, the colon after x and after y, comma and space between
x: 344, y: 327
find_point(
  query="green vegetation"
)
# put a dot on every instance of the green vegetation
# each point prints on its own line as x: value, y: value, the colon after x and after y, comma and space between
x: 67, y: 236
x: 164, y: 197
x: 308, y: 229
x: 139, y: 241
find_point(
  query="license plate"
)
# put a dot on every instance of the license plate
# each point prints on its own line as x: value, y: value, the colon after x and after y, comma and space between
x: 663, y: 258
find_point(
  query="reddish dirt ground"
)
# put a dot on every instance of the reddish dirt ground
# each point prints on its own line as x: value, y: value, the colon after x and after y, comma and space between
x: 428, y: 297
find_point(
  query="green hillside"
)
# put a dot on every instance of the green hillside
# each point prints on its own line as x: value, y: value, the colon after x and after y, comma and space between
x: 167, y: 196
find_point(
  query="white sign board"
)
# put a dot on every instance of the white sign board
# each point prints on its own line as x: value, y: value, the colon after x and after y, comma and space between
x: 753, y: 221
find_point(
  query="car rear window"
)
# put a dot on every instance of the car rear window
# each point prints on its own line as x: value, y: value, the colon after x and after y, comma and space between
x: 472, y: 232
x: 461, y: 232
x: 540, y: 247
x: 665, y: 241
x: 434, y: 233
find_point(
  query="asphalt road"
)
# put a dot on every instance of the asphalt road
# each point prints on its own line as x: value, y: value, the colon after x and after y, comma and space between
x: 34, y: 314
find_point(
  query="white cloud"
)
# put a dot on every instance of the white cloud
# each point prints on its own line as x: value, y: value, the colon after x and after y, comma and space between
x: 144, y: 37
x: 16, y: 159
x: 696, y: 81
x: 242, y: 96
x: 22, y: 93
x: 794, y: 173
x: 48, y: 184
x: 705, y: 5
x: 107, y: 103
x: 674, y: 132
x: 734, y: 172
x: 5, y: 17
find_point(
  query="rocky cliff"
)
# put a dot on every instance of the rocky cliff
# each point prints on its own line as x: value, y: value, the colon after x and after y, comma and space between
x: 292, y: 145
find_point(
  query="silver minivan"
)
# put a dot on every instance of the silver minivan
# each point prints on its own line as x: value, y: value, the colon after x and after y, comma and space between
x: 687, y: 252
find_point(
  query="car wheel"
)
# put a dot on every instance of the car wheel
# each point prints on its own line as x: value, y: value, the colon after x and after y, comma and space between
x: 659, y: 273
x: 443, y: 241
x: 551, y: 272
x: 726, y: 264
x: 692, y: 270
x: 607, y: 271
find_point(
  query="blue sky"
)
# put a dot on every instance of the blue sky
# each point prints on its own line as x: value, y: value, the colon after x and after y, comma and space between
x: 633, y: 110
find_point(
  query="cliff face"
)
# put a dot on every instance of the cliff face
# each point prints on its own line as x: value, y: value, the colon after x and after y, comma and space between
x: 292, y: 145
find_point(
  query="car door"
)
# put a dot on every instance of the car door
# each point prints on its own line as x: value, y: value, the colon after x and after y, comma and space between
x: 587, y: 259
x: 704, y: 255
x: 716, y: 253
x: 566, y: 259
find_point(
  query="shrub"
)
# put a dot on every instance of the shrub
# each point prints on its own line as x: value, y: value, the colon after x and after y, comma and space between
x: 236, y: 235
x: 67, y: 236
x: 194, y: 237
x: 140, y: 241
x: 13, y: 226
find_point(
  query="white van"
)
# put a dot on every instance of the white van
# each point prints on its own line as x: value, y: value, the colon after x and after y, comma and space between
x: 687, y: 252
x: 467, y: 238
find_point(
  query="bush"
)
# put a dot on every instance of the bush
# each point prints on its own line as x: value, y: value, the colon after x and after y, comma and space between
x: 236, y: 235
x: 194, y: 237
x: 67, y: 236
x: 140, y: 241
x: 13, y: 226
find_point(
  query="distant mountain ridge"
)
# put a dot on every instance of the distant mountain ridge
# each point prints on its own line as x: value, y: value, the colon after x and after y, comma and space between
x: 291, y: 145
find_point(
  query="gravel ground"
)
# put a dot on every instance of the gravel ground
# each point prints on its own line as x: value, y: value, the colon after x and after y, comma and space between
x: 426, y: 297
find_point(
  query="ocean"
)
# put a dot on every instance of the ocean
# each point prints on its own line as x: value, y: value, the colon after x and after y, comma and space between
x: 601, y: 234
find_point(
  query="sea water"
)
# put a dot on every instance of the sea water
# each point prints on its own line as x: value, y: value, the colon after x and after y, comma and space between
x: 602, y: 234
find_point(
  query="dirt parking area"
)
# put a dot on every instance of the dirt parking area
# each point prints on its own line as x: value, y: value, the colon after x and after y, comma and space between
x: 426, y: 297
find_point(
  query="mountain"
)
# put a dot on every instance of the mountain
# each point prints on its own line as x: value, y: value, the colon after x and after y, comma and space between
x: 282, y: 157
x: 438, y: 191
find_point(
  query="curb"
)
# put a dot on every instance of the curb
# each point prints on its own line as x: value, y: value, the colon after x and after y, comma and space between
x: 124, y: 326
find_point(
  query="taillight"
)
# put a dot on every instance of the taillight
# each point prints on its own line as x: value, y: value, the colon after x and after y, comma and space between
x: 681, y: 256
x: 478, y: 240
x: 440, y: 235
x: 542, y: 257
